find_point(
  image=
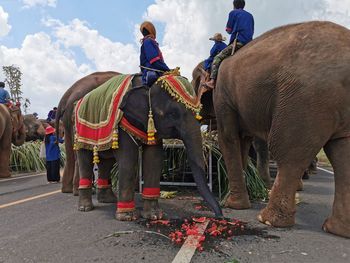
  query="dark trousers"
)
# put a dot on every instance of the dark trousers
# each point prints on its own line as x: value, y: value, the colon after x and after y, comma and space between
x: 53, y: 170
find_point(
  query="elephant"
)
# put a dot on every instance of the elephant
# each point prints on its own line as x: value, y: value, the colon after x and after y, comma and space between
x: 64, y: 112
x: 209, y: 118
x: 290, y: 87
x: 172, y: 120
x: 12, y: 130
x: 35, y: 129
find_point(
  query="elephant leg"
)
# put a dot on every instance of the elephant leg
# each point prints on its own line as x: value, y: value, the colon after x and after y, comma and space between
x: 127, y: 162
x: 280, y: 211
x: 263, y: 161
x: 230, y: 145
x: 104, y: 186
x: 152, y: 168
x: 84, y: 158
x: 338, y: 152
x: 76, y: 179
x: 68, y: 172
x: 5, y: 151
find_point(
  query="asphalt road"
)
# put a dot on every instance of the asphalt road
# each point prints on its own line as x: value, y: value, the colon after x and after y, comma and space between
x: 51, y: 229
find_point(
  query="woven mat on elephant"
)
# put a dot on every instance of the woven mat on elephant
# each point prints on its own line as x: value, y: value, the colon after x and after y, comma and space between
x: 181, y: 90
x: 97, y: 114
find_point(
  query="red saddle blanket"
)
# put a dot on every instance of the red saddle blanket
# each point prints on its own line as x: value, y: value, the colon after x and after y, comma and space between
x: 97, y: 114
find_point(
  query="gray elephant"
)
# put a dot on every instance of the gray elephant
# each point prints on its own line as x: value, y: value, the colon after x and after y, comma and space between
x: 261, y: 154
x: 172, y: 119
x: 35, y: 130
x: 11, y: 131
x: 290, y: 87
x: 70, y: 179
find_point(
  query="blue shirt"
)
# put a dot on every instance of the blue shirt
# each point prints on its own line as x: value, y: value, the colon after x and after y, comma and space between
x: 241, y: 22
x: 4, y: 96
x: 52, y: 149
x: 216, y: 49
x: 151, y: 57
x: 51, y: 116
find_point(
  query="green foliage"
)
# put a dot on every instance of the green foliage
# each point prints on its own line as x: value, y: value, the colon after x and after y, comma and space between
x: 25, y: 158
x: 13, y: 79
x: 255, y: 185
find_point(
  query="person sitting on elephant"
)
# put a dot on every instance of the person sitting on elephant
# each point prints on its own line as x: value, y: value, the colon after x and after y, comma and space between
x: 218, y: 46
x: 4, y: 94
x: 240, y: 26
x: 52, y: 114
x: 151, y: 59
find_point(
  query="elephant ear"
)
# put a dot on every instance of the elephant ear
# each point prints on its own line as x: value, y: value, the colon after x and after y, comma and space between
x: 135, y: 106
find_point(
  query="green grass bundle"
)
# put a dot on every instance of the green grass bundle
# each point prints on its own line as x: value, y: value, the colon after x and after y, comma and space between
x: 25, y: 158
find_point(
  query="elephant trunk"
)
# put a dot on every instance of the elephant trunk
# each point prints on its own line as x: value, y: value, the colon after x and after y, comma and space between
x: 19, y: 137
x: 193, y: 143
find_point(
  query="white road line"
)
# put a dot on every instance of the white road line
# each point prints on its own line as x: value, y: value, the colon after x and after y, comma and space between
x: 20, y: 177
x: 324, y: 170
x: 187, y: 250
x: 29, y: 199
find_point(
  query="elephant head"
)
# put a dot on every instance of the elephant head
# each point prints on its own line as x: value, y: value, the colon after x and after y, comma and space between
x: 18, y: 129
x: 34, y: 128
x: 172, y: 120
x: 199, y: 76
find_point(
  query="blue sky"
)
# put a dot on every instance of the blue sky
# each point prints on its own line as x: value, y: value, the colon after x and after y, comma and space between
x: 56, y: 42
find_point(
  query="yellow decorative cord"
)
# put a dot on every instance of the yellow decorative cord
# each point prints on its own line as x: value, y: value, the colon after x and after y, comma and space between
x: 115, y: 143
x: 75, y: 145
x: 151, y: 129
x: 96, y: 159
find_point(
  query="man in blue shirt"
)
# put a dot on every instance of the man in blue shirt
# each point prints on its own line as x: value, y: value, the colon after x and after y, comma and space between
x: 151, y: 59
x: 4, y: 95
x: 52, y: 114
x: 240, y: 26
x: 218, y: 46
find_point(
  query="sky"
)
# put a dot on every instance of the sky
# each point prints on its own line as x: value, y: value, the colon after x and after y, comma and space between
x: 57, y: 42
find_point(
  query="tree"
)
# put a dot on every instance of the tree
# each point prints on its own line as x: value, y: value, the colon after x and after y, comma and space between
x: 13, y: 76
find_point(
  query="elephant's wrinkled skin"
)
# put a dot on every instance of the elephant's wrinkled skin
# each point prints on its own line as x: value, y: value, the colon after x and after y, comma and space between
x: 35, y: 130
x: 11, y: 131
x: 64, y: 112
x: 172, y: 120
x: 209, y: 118
x: 290, y: 87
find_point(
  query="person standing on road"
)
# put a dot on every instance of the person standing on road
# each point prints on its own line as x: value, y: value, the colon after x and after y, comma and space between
x: 53, y: 155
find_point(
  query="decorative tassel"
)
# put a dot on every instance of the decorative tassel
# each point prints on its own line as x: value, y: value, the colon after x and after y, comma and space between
x: 115, y: 144
x: 198, y: 116
x: 151, y: 129
x: 96, y: 159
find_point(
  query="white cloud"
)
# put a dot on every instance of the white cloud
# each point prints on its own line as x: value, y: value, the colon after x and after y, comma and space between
x: 102, y: 52
x: 49, y: 63
x: 47, y: 70
x: 4, y: 26
x: 32, y: 3
x: 188, y: 24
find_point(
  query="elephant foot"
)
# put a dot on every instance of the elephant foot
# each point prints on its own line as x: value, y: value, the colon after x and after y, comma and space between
x: 336, y: 227
x: 300, y: 185
x: 237, y: 201
x: 85, y: 200
x: 151, y: 210
x: 127, y: 216
x: 67, y: 188
x: 276, y: 217
x: 106, y: 195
